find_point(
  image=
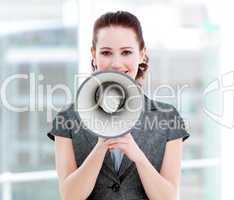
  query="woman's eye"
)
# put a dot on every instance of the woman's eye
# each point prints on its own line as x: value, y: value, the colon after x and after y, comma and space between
x: 106, y: 53
x: 125, y: 53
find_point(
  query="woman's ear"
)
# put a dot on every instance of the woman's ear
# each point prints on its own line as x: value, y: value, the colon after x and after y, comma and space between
x: 93, y: 61
x: 93, y: 52
x: 142, y: 55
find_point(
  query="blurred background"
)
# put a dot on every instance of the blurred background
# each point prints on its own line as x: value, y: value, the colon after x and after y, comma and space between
x: 189, y: 43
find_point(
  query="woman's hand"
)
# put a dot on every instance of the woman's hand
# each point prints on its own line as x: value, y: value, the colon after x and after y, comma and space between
x: 128, y: 146
x: 102, y: 143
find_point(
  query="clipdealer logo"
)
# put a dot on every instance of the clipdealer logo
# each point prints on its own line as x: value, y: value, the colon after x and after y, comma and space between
x: 224, y: 88
x: 41, y: 95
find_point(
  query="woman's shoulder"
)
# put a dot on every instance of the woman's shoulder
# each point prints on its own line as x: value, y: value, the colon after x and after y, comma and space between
x: 67, y: 113
x: 63, y: 122
x: 159, y: 106
x: 175, y: 125
x: 67, y: 110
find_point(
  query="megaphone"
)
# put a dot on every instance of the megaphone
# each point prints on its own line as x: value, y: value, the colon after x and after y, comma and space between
x: 109, y: 103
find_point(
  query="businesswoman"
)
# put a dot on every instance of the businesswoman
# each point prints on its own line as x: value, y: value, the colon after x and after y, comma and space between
x: 143, y: 164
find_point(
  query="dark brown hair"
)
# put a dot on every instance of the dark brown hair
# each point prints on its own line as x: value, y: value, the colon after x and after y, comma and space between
x: 127, y: 20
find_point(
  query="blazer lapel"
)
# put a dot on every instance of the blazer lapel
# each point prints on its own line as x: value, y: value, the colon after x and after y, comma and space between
x: 126, y: 164
x: 107, y: 163
x: 138, y: 134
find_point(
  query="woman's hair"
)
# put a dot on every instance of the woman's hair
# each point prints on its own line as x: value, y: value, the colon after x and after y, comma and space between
x: 126, y: 20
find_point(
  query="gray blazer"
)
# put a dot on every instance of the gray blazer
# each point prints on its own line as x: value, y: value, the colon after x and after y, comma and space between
x: 148, y: 134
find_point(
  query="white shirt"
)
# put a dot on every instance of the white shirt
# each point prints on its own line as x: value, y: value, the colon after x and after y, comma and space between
x: 117, y: 156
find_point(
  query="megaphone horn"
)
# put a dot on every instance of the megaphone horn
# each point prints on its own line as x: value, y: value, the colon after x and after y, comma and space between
x: 103, y: 103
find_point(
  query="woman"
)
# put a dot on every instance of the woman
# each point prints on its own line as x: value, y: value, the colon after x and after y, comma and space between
x: 143, y: 164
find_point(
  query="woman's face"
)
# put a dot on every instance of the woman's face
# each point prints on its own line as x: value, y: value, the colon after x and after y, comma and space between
x: 117, y: 48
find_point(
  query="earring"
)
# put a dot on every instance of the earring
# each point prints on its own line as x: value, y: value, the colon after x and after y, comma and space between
x: 93, y: 65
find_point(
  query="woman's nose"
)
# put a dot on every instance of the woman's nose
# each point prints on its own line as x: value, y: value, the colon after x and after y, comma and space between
x: 115, y: 66
x: 115, y: 63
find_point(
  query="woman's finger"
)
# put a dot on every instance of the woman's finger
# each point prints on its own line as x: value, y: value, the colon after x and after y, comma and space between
x: 119, y: 140
x: 119, y: 146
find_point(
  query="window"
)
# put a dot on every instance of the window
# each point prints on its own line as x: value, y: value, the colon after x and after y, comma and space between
x: 48, y: 42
